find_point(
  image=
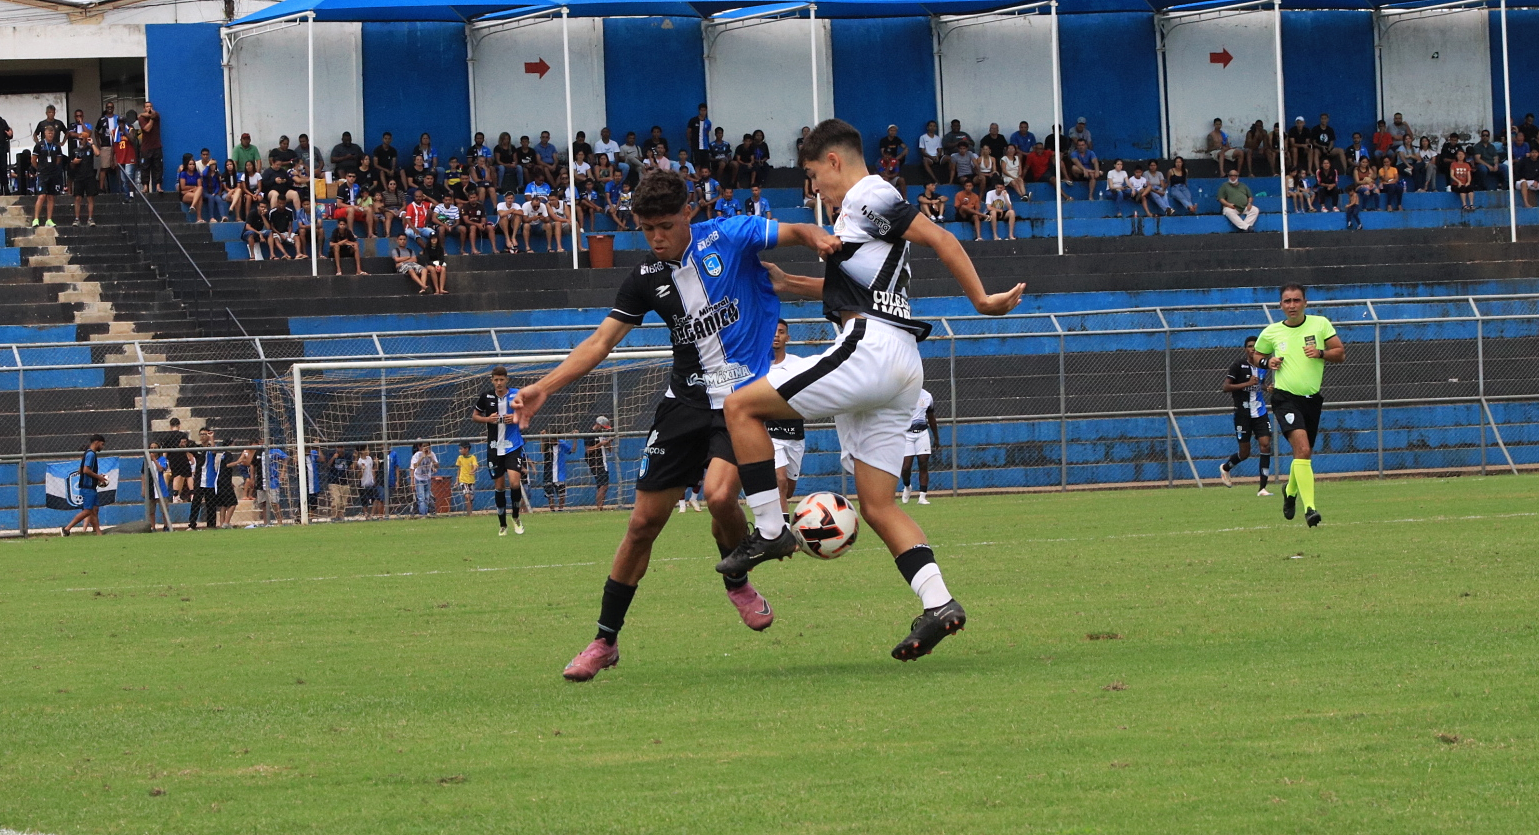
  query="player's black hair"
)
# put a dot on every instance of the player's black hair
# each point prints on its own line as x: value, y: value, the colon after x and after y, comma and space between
x: 1292, y: 285
x: 206, y: 428
x: 831, y: 134
x: 499, y: 371
x: 464, y: 445
x: 176, y: 421
x: 95, y: 438
x: 1249, y: 341
x: 783, y: 322
x: 661, y: 194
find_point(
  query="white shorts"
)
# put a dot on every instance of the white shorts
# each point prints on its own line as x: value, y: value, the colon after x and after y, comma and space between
x: 916, y: 443
x: 788, y: 456
x: 1526, y: 184
x: 868, y: 381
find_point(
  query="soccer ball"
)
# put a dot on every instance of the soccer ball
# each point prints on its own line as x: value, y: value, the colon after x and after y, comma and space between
x: 825, y: 525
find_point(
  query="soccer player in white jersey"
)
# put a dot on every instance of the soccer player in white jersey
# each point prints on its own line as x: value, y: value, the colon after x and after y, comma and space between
x: 868, y: 381
x: 504, y: 446
x: 706, y: 283
x: 788, y: 436
x: 916, y: 445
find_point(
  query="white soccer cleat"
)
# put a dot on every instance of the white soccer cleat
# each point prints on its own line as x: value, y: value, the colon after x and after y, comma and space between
x: 518, y: 527
x: 923, y: 499
x: 683, y: 505
x: 695, y: 503
x: 1223, y: 474
x: 905, y: 494
x: 1263, y: 493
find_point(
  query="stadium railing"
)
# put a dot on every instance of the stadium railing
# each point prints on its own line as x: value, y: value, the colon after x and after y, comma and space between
x: 156, y: 239
x: 1024, y: 402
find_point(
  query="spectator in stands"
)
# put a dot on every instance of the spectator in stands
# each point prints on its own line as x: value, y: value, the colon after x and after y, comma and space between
x: 283, y: 156
x: 302, y: 223
x: 479, y: 149
x: 620, y: 208
x: 1023, y: 138
x: 1179, y: 191
x: 278, y: 186
x: 1365, y: 182
x: 1354, y: 211
x: 955, y: 137
x: 152, y: 154
x: 1529, y: 130
x: 1383, y: 142
x: 435, y: 262
x: 120, y: 154
x: 301, y: 176
x: 345, y: 206
x: 728, y: 205
x: 761, y: 160
x: 313, y: 159
x: 994, y: 141
x: 82, y: 175
x: 388, y: 205
x: 546, y: 153
x: 932, y: 205
x: 1391, y: 185
x: 1158, y: 188
x: 1081, y: 132
x: 1462, y: 177
x: 590, y: 205
x: 698, y: 135
x: 385, y: 158
x: 631, y: 157
x: 930, y: 153
x: 1261, y: 143
x: 1405, y: 159
x: 414, y: 177
x: 343, y: 243
x: 1011, y: 171
x: 425, y: 150
x: 1427, y: 164
x: 536, y: 213
x: 1138, y: 190
x: 246, y: 152
x: 475, y: 225
x: 509, y: 217
x: 1301, y: 149
x: 189, y: 185
x: 504, y: 161
x: 1044, y: 166
x: 368, y: 177
x: 561, y: 218
x: 1323, y: 140
x: 742, y: 159
x: 757, y: 205
x: 998, y: 207
x: 988, y: 169
x: 1085, y: 165
x: 1222, y: 150
x: 6, y: 135
x: 1238, y: 202
x: 1449, y: 152
x: 345, y: 155
x: 1400, y: 130
x: 50, y: 119
x: 655, y: 139
x: 446, y: 219
x: 682, y: 165
x: 281, y: 238
x: 213, y: 192
x: 1526, y: 176
x: 454, y: 178
x: 707, y: 191
x: 969, y: 208
x: 892, y: 145
x: 963, y: 163
x: 1299, y: 189
x: 537, y: 187
x: 435, y: 191
x: 657, y: 160
x: 888, y: 169
x: 406, y: 264
x: 607, y: 146
x: 1117, y: 186
x: 1486, y: 161
x: 1328, y: 186
x: 1357, y: 151
x: 255, y: 232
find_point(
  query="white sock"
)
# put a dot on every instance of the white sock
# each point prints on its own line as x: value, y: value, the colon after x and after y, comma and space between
x: 930, y: 587
x: 766, y: 513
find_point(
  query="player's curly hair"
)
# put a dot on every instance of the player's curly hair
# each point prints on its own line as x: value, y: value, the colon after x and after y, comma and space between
x: 661, y: 193
x: 829, y: 135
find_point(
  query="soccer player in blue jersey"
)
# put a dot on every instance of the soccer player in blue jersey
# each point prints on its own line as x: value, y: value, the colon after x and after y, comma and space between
x: 504, y: 446
x: 90, y: 479
x: 720, y: 304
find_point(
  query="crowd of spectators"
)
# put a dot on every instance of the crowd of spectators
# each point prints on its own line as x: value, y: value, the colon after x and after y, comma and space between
x: 83, y: 159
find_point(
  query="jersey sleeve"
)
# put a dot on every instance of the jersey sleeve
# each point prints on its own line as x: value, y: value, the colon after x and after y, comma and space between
x: 632, y: 302
x: 751, y: 232
x: 1264, y: 343
x: 1327, y: 330
x: 886, y: 215
x: 1237, y: 372
x: 485, y: 405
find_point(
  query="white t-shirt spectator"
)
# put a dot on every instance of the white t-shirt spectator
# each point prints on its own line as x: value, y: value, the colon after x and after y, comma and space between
x: 1137, y: 183
x: 536, y: 212
x: 507, y: 207
x: 423, y: 464
x: 1010, y: 168
x: 580, y: 170
x: 1116, y: 180
x: 998, y: 198
x: 611, y: 148
x: 930, y: 145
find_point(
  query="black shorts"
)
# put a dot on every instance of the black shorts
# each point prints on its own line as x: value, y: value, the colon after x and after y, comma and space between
x: 50, y: 184
x: 599, y: 471
x: 499, y: 465
x: 86, y: 186
x: 1297, y: 412
x: 1246, y: 426
x: 683, y: 441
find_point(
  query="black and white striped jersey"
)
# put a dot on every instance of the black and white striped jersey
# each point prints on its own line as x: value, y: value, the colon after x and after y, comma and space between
x: 870, y: 274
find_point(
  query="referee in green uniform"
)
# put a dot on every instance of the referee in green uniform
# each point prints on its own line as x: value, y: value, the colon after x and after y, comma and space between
x: 1299, y: 347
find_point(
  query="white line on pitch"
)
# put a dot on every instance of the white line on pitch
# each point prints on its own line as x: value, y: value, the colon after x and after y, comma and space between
x: 1237, y: 530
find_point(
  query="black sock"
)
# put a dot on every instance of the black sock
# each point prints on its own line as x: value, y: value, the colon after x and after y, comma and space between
x: 909, y: 562
x: 1266, y: 468
x: 502, y: 507
x: 617, y: 599
x: 787, y: 515
x: 905, y: 479
x: 1234, y: 461
x: 758, y: 477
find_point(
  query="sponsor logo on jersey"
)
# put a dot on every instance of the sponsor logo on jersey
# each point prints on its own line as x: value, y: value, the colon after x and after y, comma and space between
x: 722, y: 377
x: 709, y: 239
x: 712, y: 264
x: 706, y: 323
x: 663, y: 290
x: 882, y: 225
x: 648, y: 269
x: 890, y: 303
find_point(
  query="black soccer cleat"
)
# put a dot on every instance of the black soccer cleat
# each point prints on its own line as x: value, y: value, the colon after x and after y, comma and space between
x: 1312, y: 516
x: 755, y: 549
x: 929, y: 628
x: 1288, y: 502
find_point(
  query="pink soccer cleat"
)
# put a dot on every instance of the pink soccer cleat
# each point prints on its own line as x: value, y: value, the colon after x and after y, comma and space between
x: 598, y: 656
x: 755, y: 610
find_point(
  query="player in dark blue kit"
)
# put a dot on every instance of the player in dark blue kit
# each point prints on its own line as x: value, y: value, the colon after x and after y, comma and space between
x: 89, y: 481
x: 720, y: 304
x: 504, y: 446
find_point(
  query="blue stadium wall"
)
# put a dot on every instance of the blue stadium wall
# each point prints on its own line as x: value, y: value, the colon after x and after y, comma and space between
x: 1109, y: 76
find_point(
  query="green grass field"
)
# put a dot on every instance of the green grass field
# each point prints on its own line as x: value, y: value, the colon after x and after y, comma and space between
x: 1374, y: 675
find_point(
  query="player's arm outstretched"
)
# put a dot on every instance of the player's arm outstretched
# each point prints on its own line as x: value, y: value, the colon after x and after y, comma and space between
x: 805, y: 286
x: 923, y: 231
x: 584, y: 358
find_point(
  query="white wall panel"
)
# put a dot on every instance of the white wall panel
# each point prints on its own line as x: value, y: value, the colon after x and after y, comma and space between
x: 22, y: 111
x: 1199, y: 90
x: 510, y: 99
x: 759, y: 77
x: 1437, y: 70
x: 268, y: 93
x: 999, y: 71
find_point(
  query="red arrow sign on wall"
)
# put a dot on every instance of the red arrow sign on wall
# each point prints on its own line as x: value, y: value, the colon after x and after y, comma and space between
x: 539, y: 67
x: 1213, y: 58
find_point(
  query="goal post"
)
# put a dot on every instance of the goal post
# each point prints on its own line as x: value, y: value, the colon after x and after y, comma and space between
x: 386, y: 402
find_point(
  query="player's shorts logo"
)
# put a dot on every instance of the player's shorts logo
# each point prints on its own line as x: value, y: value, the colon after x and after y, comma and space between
x: 712, y: 264
x: 1289, y: 417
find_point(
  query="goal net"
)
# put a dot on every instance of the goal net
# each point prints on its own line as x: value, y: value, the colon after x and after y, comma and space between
x: 388, y: 407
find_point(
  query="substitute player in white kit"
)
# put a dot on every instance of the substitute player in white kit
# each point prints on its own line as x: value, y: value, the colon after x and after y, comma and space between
x: 916, y: 445
x: 868, y: 381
